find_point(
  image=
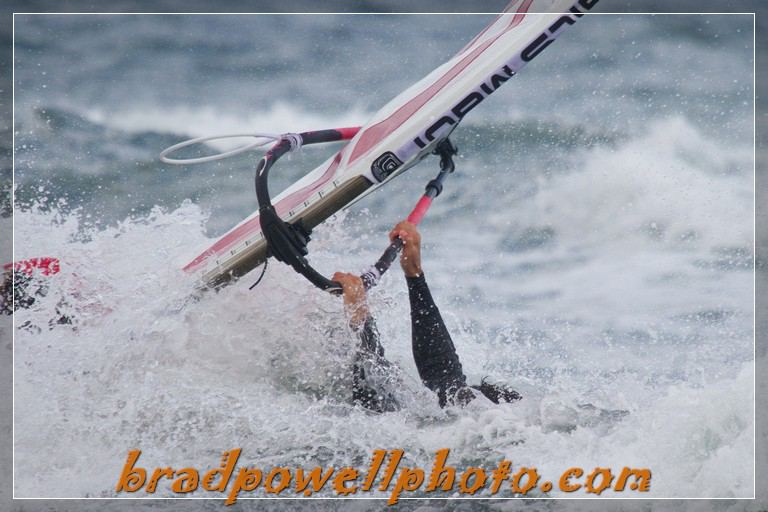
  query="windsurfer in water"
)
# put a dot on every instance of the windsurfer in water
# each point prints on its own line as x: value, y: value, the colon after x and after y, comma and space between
x: 26, y: 281
x: 433, y: 350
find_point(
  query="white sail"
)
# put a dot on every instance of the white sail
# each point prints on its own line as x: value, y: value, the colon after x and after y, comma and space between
x: 401, y: 132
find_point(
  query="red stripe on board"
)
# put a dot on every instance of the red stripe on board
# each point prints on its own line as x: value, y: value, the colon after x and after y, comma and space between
x: 47, y: 266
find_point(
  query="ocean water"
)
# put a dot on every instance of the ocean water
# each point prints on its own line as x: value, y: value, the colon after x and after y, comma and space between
x: 595, y: 246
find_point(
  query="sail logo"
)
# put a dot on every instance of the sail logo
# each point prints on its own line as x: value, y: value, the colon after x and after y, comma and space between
x: 385, y: 165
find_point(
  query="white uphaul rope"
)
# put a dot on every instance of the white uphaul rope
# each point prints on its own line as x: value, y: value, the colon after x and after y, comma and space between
x: 262, y: 139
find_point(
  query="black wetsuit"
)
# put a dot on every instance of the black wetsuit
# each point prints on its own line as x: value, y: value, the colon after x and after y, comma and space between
x: 433, y: 351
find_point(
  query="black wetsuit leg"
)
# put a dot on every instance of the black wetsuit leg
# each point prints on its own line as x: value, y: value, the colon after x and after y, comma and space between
x: 433, y: 350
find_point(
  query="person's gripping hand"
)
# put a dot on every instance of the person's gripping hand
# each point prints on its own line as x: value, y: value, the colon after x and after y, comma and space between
x: 410, y: 257
x: 354, y: 298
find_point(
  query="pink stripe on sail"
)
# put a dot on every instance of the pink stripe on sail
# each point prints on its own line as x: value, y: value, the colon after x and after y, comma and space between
x: 507, y: 9
x: 371, y: 136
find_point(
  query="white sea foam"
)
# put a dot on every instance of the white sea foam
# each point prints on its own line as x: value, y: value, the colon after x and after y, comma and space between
x: 672, y: 184
x: 146, y: 367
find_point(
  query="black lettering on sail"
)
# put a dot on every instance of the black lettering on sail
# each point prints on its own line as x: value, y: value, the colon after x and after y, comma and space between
x: 430, y: 133
x: 497, y: 80
x: 467, y: 104
x: 588, y: 4
x: 536, y: 47
x: 559, y: 23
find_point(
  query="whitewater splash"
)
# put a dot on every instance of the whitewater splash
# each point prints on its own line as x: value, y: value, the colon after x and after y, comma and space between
x: 626, y: 286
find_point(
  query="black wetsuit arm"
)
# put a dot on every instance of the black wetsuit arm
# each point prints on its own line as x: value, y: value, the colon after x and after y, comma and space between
x: 370, y: 340
x: 433, y: 350
x: 369, y: 359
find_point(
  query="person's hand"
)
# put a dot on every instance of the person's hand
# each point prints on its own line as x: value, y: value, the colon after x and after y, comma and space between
x: 410, y: 257
x: 354, y: 298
